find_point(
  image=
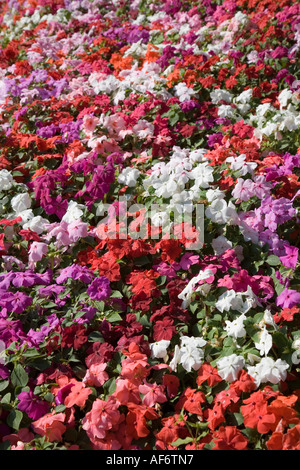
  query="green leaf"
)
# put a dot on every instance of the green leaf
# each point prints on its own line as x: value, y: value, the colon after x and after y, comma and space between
x: 3, y: 385
x: 60, y: 408
x: 273, y: 260
x: 95, y: 336
x: 181, y: 442
x: 19, y: 377
x: 6, y: 399
x: 113, y: 317
x: 14, y: 419
x: 239, y: 418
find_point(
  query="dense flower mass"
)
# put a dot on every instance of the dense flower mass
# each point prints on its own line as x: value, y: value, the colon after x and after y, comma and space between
x: 120, y: 331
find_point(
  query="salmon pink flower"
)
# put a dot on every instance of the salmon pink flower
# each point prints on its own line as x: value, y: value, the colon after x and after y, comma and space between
x: 51, y: 426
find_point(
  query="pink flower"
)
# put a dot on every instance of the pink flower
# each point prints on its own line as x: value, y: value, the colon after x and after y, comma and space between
x: 288, y: 298
x: 77, y: 230
x: 102, y: 417
x: 89, y: 123
x: 291, y: 257
x: 153, y: 394
x: 37, y: 251
x: 51, y: 425
x: 96, y: 376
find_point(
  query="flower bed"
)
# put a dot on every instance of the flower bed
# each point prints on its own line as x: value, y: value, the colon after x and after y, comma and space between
x: 149, y: 202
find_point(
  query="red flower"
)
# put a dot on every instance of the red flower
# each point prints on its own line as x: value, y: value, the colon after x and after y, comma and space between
x: 164, y: 329
x: 208, y: 373
x: 260, y: 419
x: 171, y: 382
x: 229, y: 438
x: 245, y: 383
x: 215, y: 416
x: 288, y: 313
x: 75, y: 336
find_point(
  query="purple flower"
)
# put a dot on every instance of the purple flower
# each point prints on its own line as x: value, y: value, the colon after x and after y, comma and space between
x: 32, y: 405
x: 215, y: 139
x: 99, y: 288
x: 288, y: 298
x: 291, y: 257
x: 15, y: 302
x: 75, y: 272
x: 24, y: 279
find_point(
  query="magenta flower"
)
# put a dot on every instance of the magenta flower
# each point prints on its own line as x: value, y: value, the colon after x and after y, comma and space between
x: 76, y: 272
x: 15, y: 302
x: 288, y: 298
x: 99, y: 288
x: 32, y: 405
x: 291, y: 257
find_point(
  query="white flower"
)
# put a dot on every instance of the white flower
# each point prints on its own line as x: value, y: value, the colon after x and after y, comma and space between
x: 128, y: 177
x: 109, y: 84
x: 240, y: 164
x: 244, y: 97
x: 21, y: 202
x: 230, y: 366
x: 143, y: 128
x: 190, y: 288
x: 265, y: 342
x: 230, y: 300
x: 269, y: 370
x: 221, y: 244
x: 6, y: 180
x: 225, y: 110
x: 191, y: 358
x: 191, y: 355
x: 74, y: 212
x: 183, y: 92
x: 203, y: 175
x: 283, y: 97
x: 220, y: 95
x: 197, y: 155
x: 212, y: 194
x: 220, y: 212
x: 36, y: 224
x: 159, y: 349
x: 236, y: 328
x: 269, y: 320
x: 251, y: 300
x: 174, y: 363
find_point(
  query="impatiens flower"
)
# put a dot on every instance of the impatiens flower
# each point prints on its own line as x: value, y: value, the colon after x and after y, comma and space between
x: 51, y: 426
x: 229, y: 438
x: 268, y: 370
x: 190, y: 355
x: 291, y: 257
x: 96, y: 376
x: 129, y: 177
x: 32, y: 405
x: 159, y: 349
x: 288, y: 298
x: 78, y: 395
x: 209, y: 374
x: 230, y: 366
x: 102, y: 417
x: 6, y: 180
x: 20, y: 202
x: 236, y: 328
x: 37, y: 251
x: 265, y: 342
x: 99, y: 289
x: 15, y: 302
x: 153, y: 393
